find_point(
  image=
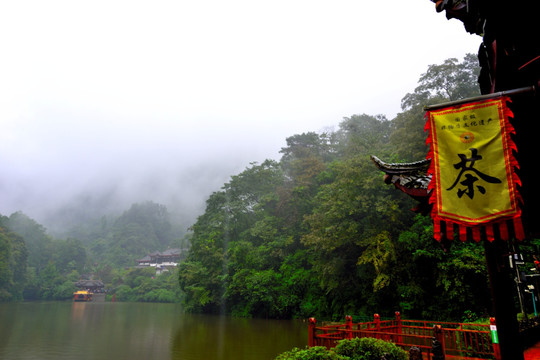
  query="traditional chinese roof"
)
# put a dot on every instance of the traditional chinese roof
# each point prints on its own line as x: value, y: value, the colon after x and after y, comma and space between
x: 411, y: 178
x: 145, y: 259
x: 89, y: 284
x: 469, y: 13
x: 171, y: 252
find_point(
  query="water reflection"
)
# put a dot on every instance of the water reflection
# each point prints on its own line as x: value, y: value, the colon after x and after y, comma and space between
x: 65, y: 330
x: 203, y: 337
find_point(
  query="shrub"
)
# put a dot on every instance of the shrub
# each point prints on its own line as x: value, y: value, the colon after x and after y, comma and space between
x: 355, y: 349
x: 159, y: 295
x: 124, y: 293
x: 313, y: 353
x: 370, y: 349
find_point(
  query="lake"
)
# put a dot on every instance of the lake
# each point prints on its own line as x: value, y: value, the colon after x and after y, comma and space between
x: 107, y: 330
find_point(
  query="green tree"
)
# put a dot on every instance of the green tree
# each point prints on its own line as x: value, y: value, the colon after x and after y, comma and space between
x: 438, y: 284
x: 441, y: 83
x: 145, y: 285
x: 13, y: 256
x: 237, y: 235
x: 320, y: 233
x: 52, y: 285
x: 31, y: 288
x: 449, y: 81
x: 362, y: 134
x: 305, y: 155
x: 304, y: 161
x: 38, y: 242
x: 142, y: 229
x: 69, y: 255
x: 357, y: 218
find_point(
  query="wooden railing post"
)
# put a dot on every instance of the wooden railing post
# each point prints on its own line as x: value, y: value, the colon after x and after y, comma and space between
x: 437, y: 347
x: 495, y: 338
x: 348, y: 327
x: 311, y: 332
x: 399, y: 328
x: 377, y: 321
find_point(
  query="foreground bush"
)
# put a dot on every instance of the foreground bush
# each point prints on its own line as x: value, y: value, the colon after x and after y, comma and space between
x: 355, y: 349
x: 370, y: 349
x: 313, y: 353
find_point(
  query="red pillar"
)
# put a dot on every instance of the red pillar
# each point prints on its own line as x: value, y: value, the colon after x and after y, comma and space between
x: 311, y: 332
x: 399, y: 328
x: 348, y: 327
x: 377, y: 321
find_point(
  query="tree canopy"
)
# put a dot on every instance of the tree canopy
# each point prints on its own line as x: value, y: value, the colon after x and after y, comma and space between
x: 319, y: 233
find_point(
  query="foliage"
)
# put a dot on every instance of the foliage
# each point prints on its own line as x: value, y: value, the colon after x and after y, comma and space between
x: 13, y: 255
x: 34, y: 265
x: 313, y: 353
x: 354, y: 349
x: 449, y: 81
x: 144, y: 285
x: 456, y: 278
x: 44, y: 264
x: 52, y: 285
x: 143, y: 228
x: 319, y: 233
x: 441, y: 83
x: 38, y: 243
x: 370, y: 349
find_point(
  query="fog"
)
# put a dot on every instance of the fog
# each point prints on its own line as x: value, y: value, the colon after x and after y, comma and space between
x: 109, y: 103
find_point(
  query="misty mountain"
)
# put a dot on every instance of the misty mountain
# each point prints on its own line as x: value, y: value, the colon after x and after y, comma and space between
x: 67, y: 205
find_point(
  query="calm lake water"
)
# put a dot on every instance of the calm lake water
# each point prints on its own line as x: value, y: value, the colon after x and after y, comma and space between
x: 106, y: 330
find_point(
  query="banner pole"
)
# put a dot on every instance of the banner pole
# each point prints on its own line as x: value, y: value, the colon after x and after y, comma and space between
x: 517, y: 91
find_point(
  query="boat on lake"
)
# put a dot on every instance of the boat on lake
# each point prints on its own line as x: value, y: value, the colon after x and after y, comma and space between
x: 82, y: 295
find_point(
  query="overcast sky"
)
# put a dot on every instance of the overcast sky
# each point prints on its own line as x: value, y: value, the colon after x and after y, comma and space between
x: 165, y: 100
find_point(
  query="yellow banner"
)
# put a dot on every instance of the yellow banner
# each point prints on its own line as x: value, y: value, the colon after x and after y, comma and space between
x: 472, y: 163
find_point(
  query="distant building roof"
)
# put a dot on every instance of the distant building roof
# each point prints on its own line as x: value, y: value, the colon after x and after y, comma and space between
x: 89, y: 284
x: 172, y: 252
x: 169, y: 253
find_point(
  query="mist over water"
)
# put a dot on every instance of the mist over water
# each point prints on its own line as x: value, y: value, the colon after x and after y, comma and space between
x: 65, y: 194
x: 64, y: 163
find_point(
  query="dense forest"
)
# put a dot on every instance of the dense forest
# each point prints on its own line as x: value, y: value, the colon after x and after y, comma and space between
x: 36, y: 266
x: 317, y: 233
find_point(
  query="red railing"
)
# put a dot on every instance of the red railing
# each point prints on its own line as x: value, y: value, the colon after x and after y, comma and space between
x: 460, y: 340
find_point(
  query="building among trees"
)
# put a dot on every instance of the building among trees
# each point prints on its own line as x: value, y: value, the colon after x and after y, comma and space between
x: 162, y: 261
x: 95, y: 286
